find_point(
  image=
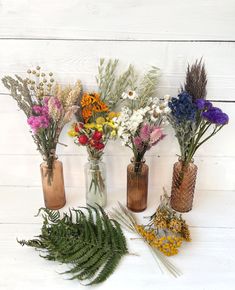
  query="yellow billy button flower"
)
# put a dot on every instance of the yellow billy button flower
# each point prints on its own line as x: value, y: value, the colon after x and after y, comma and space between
x: 111, y: 124
x: 72, y: 133
x: 113, y: 133
x: 89, y: 125
x: 99, y: 127
x: 100, y: 120
x: 112, y: 115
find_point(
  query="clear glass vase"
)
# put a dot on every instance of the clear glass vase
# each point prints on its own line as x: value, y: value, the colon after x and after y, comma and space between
x: 95, y: 176
x: 53, y: 185
x: 183, y: 185
x: 137, y: 186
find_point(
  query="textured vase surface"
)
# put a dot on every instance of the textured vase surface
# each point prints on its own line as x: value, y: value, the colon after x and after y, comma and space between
x: 183, y: 186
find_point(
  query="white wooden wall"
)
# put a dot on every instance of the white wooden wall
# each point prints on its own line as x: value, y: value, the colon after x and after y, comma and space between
x: 69, y: 36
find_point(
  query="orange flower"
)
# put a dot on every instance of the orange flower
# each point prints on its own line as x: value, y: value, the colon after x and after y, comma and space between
x: 92, y: 103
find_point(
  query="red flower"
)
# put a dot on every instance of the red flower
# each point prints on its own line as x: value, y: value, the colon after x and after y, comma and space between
x: 78, y: 127
x: 99, y: 146
x: 83, y: 139
x: 97, y: 136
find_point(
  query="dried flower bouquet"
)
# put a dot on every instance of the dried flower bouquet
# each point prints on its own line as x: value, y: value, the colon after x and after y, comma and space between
x: 47, y: 106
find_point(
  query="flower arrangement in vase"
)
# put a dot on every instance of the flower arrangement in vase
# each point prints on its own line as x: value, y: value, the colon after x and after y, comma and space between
x: 140, y: 128
x: 195, y: 120
x: 95, y: 126
x: 48, y: 107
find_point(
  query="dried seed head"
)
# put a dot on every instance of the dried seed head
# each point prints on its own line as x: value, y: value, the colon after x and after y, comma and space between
x: 29, y: 71
x: 52, y: 80
x: 34, y: 72
x: 50, y: 74
x: 43, y: 74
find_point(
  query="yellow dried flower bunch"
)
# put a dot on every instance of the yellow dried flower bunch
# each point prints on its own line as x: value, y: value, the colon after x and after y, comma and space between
x: 166, y: 230
x: 165, y: 218
x: 168, y: 245
x: 161, y: 243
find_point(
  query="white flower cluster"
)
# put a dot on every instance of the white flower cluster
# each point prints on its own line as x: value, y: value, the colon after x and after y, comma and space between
x: 129, y: 120
x: 160, y: 110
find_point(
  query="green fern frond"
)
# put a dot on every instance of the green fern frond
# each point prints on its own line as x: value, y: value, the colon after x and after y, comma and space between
x: 92, y: 244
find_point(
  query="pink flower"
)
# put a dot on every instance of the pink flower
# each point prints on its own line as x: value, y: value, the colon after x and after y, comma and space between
x: 145, y: 131
x: 38, y: 122
x: 40, y: 110
x: 138, y: 143
x: 156, y: 136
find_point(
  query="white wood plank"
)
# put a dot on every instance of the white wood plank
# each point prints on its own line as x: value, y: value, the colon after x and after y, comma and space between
x: 214, y: 173
x: 115, y: 19
x: 71, y: 60
x: 207, y: 263
x: 211, y: 208
x: 17, y: 138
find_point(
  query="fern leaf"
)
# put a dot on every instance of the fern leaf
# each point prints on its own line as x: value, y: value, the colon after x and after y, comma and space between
x: 92, y: 244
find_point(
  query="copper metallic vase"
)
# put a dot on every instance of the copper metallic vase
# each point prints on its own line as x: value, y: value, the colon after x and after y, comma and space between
x: 53, y: 185
x: 137, y: 186
x: 183, y: 185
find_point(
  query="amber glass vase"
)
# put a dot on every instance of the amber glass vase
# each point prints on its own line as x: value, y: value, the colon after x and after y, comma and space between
x: 183, y: 185
x: 53, y: 185
x: 137, y: 186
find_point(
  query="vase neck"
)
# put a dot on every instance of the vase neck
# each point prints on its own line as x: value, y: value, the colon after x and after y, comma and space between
x: 51, y: 155
x: 133, y: 161
x: 184, y: 162
x: 95, y: 160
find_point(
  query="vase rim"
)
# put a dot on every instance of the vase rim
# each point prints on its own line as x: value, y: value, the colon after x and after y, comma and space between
x: 180, y: 160
x: 133, y: 160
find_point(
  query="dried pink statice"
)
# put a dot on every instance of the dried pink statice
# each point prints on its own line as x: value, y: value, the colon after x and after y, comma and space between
x: 138, y: 143
x: 156, y: 135
x: 145, y: 131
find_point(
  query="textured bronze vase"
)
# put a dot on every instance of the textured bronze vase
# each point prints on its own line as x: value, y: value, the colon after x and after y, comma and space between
x: 137, y: 186
x: 183, y: 185
x: 53, y: 185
